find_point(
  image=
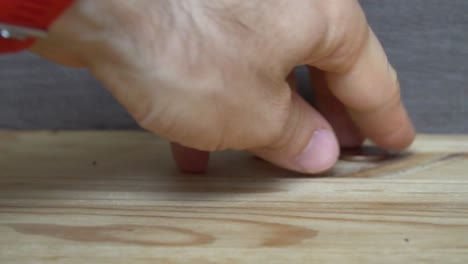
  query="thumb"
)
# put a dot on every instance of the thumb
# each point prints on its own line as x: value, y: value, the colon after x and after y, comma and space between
x: 307, y: 144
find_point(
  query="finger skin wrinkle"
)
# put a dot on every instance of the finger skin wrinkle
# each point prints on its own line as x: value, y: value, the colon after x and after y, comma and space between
x: 277, y: 138
x: 345, y: 39
x: 370, y: 85
x: 346, y: 54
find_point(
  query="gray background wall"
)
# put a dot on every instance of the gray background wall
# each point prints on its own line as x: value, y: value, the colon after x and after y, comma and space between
x: 426, y: 40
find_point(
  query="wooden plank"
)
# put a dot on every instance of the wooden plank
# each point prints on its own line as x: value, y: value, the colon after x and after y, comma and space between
x: 90, y: 197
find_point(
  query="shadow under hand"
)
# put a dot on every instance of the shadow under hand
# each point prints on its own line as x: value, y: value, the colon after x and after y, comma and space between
x: 134, y: 166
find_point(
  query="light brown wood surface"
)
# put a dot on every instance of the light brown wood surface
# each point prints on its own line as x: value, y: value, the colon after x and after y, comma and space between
x: 116, y: 197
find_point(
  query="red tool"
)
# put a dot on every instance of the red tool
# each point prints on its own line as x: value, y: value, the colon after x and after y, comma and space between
x: 22, y: 21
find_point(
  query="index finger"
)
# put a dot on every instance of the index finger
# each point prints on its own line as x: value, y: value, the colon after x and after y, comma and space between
x: 357, y: 72
x: 370, y: 91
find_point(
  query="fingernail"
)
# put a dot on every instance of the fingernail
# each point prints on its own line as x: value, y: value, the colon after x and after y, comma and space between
x: 320, y: 154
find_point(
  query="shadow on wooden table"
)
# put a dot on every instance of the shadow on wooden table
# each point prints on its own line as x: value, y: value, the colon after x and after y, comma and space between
x: 67, y: 163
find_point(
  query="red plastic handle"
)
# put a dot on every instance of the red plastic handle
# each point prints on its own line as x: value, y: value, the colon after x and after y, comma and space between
x: 36, y: 14
x: 11, y: 45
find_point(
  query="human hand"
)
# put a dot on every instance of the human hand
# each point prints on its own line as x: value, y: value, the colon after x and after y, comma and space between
x: 212, y: 75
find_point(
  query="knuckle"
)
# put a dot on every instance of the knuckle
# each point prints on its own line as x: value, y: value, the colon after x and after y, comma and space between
x: 348, y: 34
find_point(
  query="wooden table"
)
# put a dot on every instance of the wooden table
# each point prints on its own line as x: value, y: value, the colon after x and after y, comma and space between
x: 116, y: 197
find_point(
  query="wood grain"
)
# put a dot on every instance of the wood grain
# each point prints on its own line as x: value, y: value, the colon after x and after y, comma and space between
x: 100, y: 197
